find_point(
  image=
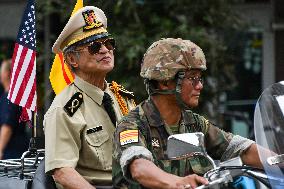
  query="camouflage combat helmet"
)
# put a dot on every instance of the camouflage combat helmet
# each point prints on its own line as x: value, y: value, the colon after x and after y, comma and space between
x: 166, y: 57
x: 169, y: 59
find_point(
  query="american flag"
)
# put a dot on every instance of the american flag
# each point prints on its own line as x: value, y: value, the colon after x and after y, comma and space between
x: 23, y: 78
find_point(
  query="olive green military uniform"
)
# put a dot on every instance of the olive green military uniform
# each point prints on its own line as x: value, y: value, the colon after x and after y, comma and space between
x: 143, y: 134
x: 82, y: 140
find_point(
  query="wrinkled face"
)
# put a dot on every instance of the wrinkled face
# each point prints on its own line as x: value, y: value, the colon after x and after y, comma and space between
x: 191, y: 87
x: 100, y: 62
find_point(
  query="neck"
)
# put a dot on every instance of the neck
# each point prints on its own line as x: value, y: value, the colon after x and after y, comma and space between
x: 168, y: 108
x: 97, y: 80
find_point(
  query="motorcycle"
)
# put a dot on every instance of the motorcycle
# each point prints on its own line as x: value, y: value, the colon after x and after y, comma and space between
x: 28, y: 172
x: 268, y: 126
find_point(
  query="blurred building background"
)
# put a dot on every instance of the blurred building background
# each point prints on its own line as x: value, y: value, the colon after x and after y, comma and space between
x: 258, y: 55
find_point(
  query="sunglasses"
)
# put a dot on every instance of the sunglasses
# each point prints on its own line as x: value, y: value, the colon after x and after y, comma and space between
x: 95, y: 46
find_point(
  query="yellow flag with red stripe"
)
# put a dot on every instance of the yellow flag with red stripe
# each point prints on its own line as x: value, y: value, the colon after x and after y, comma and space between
x: 60, y: 74
x: 128, y: 137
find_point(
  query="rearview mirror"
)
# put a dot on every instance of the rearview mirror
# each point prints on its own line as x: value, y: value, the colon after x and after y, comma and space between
x: 181, y: 146
x: 185, y: 145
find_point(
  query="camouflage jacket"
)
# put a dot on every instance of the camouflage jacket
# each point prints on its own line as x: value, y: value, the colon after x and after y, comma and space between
x: 143, y: 128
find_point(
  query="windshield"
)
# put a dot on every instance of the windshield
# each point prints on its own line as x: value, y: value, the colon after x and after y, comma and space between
x: 269, y: 132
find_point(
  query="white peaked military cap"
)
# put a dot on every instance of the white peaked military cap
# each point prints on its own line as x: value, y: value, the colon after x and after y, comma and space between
x: 87, y: 24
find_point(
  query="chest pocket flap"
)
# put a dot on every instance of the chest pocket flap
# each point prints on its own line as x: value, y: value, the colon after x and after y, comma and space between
x: 97, y: 137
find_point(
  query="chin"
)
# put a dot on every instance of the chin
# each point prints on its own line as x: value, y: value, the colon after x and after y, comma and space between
x: 109, y: 69
x: 193, y: 104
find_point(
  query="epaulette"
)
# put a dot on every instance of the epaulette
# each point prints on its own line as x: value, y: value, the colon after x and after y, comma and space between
x: 121, y: 90
x: 74, y: 104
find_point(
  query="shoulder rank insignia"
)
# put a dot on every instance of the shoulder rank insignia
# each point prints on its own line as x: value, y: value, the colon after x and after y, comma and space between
x: 91, y: 20
x: 74, y: 104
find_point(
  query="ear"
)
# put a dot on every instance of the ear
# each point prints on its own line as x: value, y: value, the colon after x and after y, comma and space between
x: 72, y: 60
x: 163, y: 85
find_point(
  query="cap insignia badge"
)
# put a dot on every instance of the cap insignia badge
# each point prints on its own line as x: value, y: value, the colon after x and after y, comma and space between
x: 91, y: 20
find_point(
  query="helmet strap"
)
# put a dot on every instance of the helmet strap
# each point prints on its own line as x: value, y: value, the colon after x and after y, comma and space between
x: 182, y: 105
x: 177, y: 91
x: 151, y: 90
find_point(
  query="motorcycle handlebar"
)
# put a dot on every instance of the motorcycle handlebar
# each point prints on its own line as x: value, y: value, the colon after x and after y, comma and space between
x: 223, y: 178
x: 213, y: 183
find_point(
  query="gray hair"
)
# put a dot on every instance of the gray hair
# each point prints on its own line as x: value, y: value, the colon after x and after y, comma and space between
x: 69, y: 50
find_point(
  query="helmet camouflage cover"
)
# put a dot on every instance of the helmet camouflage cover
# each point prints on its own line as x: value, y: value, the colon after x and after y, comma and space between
x: 166, y: 57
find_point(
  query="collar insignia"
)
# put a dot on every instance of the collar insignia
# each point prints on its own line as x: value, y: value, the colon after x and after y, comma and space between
x: 91, y: 20
x: 155, y: 142
x: 74, y: 104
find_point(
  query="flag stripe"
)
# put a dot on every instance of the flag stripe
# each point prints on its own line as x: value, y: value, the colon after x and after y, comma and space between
x: 14, y: 56
x: 67, y: 80
x: 25, y: 83
x: 32, y: 97
x: 60, y: 74
x: 30, y: 87
x: 22, y: 89
x: 33, y: 105
x: 22, y: 71
x: 21, y: 53
x: 128, y: 135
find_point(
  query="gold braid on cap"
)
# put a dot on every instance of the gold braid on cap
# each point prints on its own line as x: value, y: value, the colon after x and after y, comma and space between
x: 116, y: 88
x: 79, y: 35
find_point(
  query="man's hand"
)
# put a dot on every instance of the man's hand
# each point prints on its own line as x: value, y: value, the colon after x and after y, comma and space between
x: 149, y: 175
x: 69, y: 178
x: 251, y: 157
x: 189, y: 182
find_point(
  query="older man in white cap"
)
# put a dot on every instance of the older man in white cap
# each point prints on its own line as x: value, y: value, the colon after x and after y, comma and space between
x: 80, y: 123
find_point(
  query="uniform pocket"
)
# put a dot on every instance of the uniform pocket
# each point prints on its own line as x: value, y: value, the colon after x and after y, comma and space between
x: 96, y: 138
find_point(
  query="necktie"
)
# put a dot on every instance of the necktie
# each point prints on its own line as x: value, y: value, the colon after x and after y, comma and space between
x: 107, y: 103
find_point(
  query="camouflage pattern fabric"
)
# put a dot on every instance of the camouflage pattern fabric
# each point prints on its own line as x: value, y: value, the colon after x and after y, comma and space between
x: 153, y: 133
x: 166, y: 57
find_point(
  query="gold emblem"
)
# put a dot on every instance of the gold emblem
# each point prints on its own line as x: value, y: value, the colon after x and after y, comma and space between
x: 91, y: 20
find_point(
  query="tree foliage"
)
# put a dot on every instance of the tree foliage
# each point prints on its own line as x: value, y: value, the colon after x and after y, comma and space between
x: 135, y: 24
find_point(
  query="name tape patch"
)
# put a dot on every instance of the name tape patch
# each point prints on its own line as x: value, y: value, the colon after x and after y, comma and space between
x: 95, y: 129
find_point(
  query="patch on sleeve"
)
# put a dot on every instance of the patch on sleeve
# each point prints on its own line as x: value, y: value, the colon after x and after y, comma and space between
x: 156, y: 142
x: 128, y: 137
x: 74, y: 104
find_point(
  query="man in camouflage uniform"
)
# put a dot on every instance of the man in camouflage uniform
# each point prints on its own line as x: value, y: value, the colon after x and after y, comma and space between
x: 172, y: 69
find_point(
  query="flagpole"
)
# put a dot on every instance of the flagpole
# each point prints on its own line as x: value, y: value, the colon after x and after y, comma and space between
x: 32, y: 145
x: 32, y: 151
x: 34, y: 114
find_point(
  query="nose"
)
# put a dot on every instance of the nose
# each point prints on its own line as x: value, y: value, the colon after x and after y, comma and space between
x: 103, y: 49
x: 198, y: 85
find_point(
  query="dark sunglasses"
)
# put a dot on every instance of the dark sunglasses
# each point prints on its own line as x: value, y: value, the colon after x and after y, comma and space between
x: 95, y: 46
